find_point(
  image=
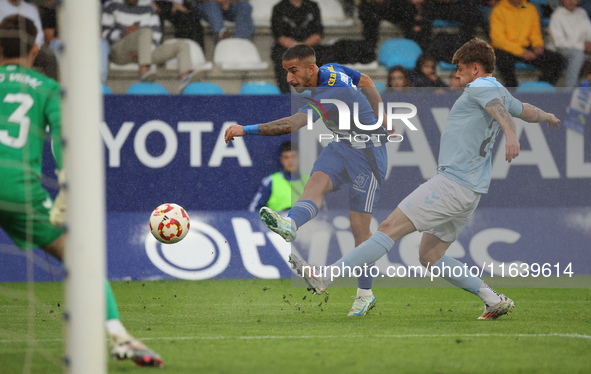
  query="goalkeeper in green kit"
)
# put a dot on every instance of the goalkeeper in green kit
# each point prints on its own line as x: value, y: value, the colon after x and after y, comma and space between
x: 29, y: 102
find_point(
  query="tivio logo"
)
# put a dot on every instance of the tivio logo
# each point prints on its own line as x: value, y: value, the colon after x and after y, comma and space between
x: 344, y: 121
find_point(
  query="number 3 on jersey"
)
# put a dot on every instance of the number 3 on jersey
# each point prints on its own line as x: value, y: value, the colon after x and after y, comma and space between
x: 19, y: 116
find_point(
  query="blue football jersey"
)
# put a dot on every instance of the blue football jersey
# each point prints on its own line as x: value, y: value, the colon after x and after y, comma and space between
x: 338, y: 82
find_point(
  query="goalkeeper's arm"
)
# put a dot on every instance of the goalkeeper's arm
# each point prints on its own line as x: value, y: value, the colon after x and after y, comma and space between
x: 281, y: 126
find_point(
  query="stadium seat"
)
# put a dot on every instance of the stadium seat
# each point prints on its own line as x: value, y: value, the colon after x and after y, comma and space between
x: 524, y: 66
x: 107, y: 90
x: 147, y: 88
x: 198, y: 61
x: 380, y: 86
x: 400, y: 52
x: 445, y: 66
x: 238, y: 54
x: 439, y: 23
x: 262, y: 11
x: 536, y: 87
x: 332, y: 14
x: 203, y: 88
x: 259, y: 88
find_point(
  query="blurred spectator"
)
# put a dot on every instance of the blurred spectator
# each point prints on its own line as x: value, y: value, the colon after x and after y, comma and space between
x: 454, y: 81
x: 484, y: 9
x: 424, y: 74
x: 398, y: 78
x: 134, y: 33
x: 463, y: 11
x: 516, y: 35
x: 407, y: 14
x: 105, y: 50
x: 47, y: 11
x: 277, y: 191
x: 293, y: 22
x: 570, y: 29
x: 184, y: 18
x: 46, y: 61
x: 216, y: 11
x: 586, y: 5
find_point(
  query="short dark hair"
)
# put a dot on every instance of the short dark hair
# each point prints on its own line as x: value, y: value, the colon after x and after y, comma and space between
x: 299, y: 51
x: 404, y: 72
x: 17, y: 32
x: 476, y: 51
x: 288, y: 146
x: 422, y: 60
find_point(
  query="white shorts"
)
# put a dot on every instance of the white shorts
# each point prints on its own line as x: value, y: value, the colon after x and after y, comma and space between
x: 440, y: 207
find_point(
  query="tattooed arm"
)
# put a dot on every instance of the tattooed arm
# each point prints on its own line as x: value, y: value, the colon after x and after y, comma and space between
x: 534, y: 114
x: 281, y: 126
x: 497, y: 110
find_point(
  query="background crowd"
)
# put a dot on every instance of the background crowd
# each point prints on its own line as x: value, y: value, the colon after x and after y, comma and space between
x: 550, y: 36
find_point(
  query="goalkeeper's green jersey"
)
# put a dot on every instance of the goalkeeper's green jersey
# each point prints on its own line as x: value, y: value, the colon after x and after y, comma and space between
x: 29, y: 104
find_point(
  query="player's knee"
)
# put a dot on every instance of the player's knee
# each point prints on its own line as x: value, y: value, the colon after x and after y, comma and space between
x: 425, y: 261
x: 387, y: 226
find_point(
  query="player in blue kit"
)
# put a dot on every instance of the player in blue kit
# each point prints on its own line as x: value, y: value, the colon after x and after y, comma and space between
x: 442, y: 206
x: 358, y: 157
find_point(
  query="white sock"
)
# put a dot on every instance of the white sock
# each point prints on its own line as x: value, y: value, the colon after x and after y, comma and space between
x: 488, y: 295
x: 293, y: 224
x: 362, y: 292
x: 115, y: 327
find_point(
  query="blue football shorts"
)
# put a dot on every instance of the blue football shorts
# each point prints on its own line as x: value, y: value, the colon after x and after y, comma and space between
x: 362, y: 169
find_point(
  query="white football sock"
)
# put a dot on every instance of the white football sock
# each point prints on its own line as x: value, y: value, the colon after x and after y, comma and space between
x: 115, y: 327
x: 362, y: 292
x: 488, y: 295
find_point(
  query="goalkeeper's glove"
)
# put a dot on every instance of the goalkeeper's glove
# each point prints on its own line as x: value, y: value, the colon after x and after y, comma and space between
x: 57, y: 214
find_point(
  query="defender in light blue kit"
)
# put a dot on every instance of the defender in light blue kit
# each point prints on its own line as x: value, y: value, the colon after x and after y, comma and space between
x: 440, y: 207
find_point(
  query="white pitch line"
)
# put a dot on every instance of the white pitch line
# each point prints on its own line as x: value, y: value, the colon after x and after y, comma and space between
x: 295, y: 337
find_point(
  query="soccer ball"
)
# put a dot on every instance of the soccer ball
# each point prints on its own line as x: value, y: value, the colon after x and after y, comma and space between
x: 169, y: 223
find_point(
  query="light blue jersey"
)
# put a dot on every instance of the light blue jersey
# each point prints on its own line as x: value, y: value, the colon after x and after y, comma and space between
x: 470, y: 132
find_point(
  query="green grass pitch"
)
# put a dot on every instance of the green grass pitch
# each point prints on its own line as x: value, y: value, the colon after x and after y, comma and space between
x: 265, y: 326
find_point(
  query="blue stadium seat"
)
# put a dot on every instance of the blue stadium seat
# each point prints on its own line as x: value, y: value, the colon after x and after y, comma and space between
x: 524, y: 66
x: 259, y: 88
x: 536, y: 87
x: 147, y: 88
x: 380, y: 86
x: 106, y: 90
x: 439, y: 23
x: 445, y: 66
x: 203, y: 88
x: 400, y: 52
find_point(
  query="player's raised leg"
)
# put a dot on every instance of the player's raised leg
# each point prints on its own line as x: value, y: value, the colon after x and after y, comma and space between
x: 392, y: 229
x: 304, y: 210
x: 432, y: 255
